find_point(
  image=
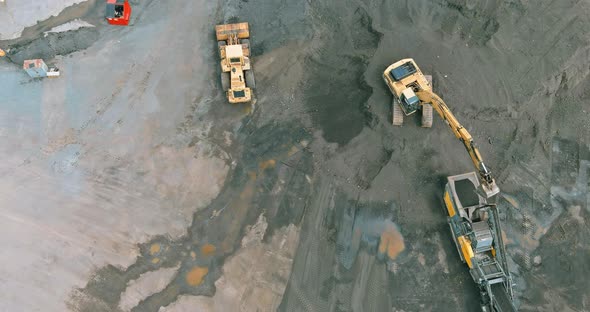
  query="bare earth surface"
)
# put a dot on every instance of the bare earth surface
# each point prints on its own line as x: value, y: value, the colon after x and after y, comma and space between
x: 129, y: 184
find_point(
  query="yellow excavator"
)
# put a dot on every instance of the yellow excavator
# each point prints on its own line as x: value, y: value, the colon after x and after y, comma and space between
x: 469, y: 198
x: 411, y: 90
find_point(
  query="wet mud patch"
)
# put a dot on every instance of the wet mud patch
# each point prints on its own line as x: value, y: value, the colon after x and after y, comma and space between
x: 33, y: 44
x: 270, y: 164
x: 90, y: 10
x: 54, y: 44
x: 370, y: 226
x: 335, y: 89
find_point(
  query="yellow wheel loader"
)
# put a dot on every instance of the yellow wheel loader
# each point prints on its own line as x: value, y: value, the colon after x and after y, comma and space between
x: 237, y: 77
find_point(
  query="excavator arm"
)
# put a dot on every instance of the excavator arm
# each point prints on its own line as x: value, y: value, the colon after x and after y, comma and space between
x: 488, y: 185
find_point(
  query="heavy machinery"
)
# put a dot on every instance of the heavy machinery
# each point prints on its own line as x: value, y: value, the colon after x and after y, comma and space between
x: 2, y: 53
x: 474, y: 221
x: 402, y: 78
x: 37, y: 68
x: 237, y: 77
x: 412, y: 90
x: 118, y: 12
x: 475, y: 226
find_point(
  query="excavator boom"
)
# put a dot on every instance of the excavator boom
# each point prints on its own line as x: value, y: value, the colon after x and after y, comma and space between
x: 488, y: 185
x: 469, y: 198
x: 411, y: 90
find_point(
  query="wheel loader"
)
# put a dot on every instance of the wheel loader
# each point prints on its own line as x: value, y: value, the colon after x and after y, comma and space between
x: 237, y: 77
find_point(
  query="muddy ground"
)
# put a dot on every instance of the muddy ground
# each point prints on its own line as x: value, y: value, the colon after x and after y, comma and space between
x: 167, y: 198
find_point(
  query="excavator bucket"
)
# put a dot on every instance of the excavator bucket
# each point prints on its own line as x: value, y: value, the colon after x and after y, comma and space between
x: 224, y: 31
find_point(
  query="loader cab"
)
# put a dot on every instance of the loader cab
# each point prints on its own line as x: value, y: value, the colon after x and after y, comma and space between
x: 234, y: 55
x: 409, y: 101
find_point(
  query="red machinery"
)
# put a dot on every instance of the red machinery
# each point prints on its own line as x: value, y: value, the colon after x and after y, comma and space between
x: 118, y: 12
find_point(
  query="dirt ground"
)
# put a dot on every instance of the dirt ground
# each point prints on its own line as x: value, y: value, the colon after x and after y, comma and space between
x: 130, y: 184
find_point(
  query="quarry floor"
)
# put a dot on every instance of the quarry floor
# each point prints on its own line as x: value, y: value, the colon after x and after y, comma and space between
x: 130, y: 184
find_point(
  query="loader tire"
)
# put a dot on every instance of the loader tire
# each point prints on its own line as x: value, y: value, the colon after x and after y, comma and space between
x: 247, y: 43
x: 250, y: 81
x: 398, y: 114
x: 220, y: 44
x: 225, y: 81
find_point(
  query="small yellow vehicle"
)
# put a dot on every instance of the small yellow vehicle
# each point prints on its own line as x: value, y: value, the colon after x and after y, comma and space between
x: 237, y: 77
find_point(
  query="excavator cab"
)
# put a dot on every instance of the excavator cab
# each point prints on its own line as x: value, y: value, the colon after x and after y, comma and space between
x: 409, y: 101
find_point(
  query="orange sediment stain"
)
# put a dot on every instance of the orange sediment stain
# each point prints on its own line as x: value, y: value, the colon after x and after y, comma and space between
x: 391, y: 243
x: 195, y: 276
x: 294, y: 150
x: 154, y: 249
x: 156, y: 260
x: 207, y: 249
x: 271, y: 163
x: 511, y: 200
x: 239, y: 207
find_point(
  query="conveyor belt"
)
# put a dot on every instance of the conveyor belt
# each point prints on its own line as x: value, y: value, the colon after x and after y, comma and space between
x: 502, y: 302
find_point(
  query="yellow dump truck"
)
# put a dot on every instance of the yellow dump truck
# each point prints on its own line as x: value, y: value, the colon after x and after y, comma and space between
x: 237, y: 77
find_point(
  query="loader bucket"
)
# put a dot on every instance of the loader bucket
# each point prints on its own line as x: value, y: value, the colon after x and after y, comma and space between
x: 223, y: 31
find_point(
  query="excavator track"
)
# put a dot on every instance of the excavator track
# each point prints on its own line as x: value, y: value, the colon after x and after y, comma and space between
x: 426, y: 115
x: 398, y: 114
